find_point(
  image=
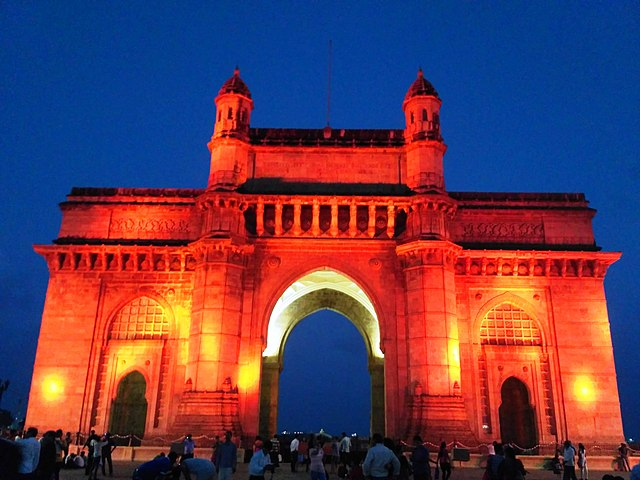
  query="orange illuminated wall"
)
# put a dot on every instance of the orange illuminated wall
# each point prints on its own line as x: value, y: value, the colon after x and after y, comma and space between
x: 475, y: 298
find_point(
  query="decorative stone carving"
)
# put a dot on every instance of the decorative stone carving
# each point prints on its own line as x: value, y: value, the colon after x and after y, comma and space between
x: 273, y: 261
x: 130, y: 225
x: 502, y: 232
x: 375, y: 263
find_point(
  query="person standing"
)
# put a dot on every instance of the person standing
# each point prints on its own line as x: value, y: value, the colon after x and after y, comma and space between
x: 316, y: 465
x: 189, y: 447
x: 98, y: 444
x: 106, y: 454
x: 259, y: 463
x: 582, y: 462
x: 29, y: 449
x: 293, y: 448
x: 420, y: 460
x: 275, y: 450
x: 226, y: 458
x: 345, y: 449
x: 569, y: 457
x: 511, y: 468
x: 379, y: 458
x: 89, y: 446
x: 444, y: 461
x: 623, y: 450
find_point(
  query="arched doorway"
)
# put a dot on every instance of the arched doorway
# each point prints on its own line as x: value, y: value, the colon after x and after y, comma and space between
x: 129, y: 409
x: 517, y: 421
x: 324, y: 382
x: 320, y: 290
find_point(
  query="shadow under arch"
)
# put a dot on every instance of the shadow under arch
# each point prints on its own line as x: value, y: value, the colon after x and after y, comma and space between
x: 517, y: 415
x: 129, y: 408
x: 342, y: 296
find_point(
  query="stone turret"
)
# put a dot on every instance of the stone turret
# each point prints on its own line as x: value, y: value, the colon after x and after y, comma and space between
x: 229, y: 145
x: 424, y: 144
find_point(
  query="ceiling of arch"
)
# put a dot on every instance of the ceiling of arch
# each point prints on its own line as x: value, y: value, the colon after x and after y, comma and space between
x: 313, y: 292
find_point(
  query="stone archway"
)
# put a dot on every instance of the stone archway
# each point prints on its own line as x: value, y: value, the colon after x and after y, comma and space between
x: 129, y: 408
x: 342, y: 296
x: 517, y: 418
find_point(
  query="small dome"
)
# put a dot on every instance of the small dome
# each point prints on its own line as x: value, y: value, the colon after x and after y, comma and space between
x: 421, y: 87
x: 235, y: 85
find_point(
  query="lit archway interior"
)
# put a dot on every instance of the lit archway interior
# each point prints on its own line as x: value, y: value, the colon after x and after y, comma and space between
x: 319, y: 290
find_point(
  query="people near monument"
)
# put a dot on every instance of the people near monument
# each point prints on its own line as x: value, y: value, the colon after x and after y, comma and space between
x: 380, y: 462
x: 345, y: 449
x: 260, y: 463
x: 623, y: 450
x: 87, y: 444
x: 189, y: 447
x: 444, y: 461
x: 275, y: 450
x: 328, y: 452
x: 511, y: 468
x: 582, y: 462
x: 293, y: 448
x: 98, y: 444
x: 106, y: 454
x: 153, y: 468
x: 67, y: 441
x: 556, y: 463
x: 335, y: 454
x: 568, y: 461
x: 405, y: 466
x: 496, y: 457
x: 420, y: 460
x: 197, y: 469
x: 214, y: 448
x: 258, y: 443
x: 47, y: 461
x: 226, y: 458
x: 9, y: 458
x: 60, y: 455
x: 29, y: 449
x: 316, y: 464
x: 303, y: 453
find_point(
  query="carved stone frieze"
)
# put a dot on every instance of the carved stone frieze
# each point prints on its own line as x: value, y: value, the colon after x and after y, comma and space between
x: 544, y: 264
x: 501, y: 232
x: 127, y: 226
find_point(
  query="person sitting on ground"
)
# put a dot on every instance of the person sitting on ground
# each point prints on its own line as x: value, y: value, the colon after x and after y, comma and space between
x: 81, y: 460
x: 197, y: 469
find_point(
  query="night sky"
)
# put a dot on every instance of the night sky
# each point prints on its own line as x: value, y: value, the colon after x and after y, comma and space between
x: 537, y: 97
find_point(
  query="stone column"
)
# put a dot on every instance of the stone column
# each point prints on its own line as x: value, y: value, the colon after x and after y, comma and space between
x: 216, y: 315
x: 391, y: 220
x: 371, y: 230
x: 278, y: 219
x: 260, y: 217
x: 315, y: 223
x: 353, y: 220
x: 333, y: 229
x: 297, y: 215
x: 431, y: 303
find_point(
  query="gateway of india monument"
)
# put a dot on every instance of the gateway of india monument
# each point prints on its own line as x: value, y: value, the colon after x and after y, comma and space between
x: 483, y: 314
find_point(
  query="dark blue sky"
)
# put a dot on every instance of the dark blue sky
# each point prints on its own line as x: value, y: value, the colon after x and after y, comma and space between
x: 537, y: 96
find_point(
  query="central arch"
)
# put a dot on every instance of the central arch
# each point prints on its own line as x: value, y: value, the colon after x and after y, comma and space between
x: 320, y: 290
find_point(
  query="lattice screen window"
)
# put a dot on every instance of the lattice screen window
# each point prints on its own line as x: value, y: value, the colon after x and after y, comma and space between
x: 507, y: 324
x: 143, y: 318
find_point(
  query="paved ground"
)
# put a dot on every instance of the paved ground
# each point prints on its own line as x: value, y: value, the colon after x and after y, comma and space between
x: 123, y: 470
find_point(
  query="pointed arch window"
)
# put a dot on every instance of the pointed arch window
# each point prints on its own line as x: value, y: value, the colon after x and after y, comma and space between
x: 507, y: 324
x: 143, y: 318
x: 424, y: 115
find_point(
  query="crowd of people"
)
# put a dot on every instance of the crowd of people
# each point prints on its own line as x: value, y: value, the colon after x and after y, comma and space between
x: 24, y: 456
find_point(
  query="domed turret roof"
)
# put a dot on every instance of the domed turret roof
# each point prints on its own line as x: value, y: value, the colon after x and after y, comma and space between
x: 235, y: 85
x: 421, y: 87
